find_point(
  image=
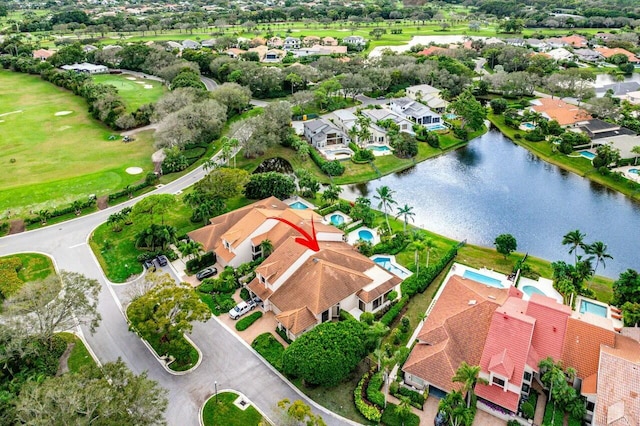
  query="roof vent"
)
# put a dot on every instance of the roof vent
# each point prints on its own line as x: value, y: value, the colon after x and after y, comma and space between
x: 491, y: 297
x: 472, y: 302
x: 315, y: 260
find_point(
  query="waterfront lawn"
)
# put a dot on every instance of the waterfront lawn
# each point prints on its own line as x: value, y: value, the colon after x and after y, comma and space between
x: 79, y: 356
x: 220, y: 411
x: 61, y: 158
x: 577, y: 164
x: 133, y: 92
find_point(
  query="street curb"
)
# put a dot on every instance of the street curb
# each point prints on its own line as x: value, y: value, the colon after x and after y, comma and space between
x: 201, y: 411
x: 283, y: 378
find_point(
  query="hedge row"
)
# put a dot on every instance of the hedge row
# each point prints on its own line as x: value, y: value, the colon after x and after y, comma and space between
x: 417, y: 399
x: 392, y: 313
x: 368, y: 410
x: 62, y: 211
x: 330, y: 168
x: 128, y: 191
x: 373, y: 390
x: 195, y: 264
x: 418, y: 283
x: 246, y: 322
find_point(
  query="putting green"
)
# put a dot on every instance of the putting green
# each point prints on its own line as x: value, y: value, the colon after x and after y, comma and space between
x: 50, y: 160
x: 136, y: 92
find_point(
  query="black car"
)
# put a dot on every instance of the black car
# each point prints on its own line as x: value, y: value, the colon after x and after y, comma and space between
x: 206, y: 273
x: 162, y: 260
x: 149, y: 265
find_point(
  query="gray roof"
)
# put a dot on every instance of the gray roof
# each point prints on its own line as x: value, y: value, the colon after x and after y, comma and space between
x: 425, y: 89
x: 315, y: 125
x: 620, y: 88
x: 624, y: 143
x: 345, y: 115
x: 413, y: 108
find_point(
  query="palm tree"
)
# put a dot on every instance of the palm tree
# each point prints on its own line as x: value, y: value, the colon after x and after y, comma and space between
x: 77, y: 207
x: 209, y: 164
x: 429, y: 245
x: 468, y: 376
x: 403, y: 409
x: 454, y: 408
x: 599, y: 250
x: 418, y: 246
x: 636, y: 150
x: 234, y: 144
x: 385, y: 196
x: 331, y: 194
x: 43, y: 215
x: 225, y: 152
x: 407, y: 213
x: 267, y: 247
x: 574, y: 239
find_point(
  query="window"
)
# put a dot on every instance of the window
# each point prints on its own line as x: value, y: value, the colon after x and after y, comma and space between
x: 362, y: 306
x: 262, y: 280
x: 591, y: 406
x: 377, y: 302
x: 525, y: 388
x: 498, y: 381
x: 527, y: 376
x: 325, y: 316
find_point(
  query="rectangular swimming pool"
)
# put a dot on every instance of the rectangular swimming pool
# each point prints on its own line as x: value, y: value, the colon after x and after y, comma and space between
x: 588, y: 155
x: 298, y: 206
x: 483, y: 279
x: 593, y: 308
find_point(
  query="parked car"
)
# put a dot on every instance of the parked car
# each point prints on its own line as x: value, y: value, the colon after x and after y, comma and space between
x: 206, y: 273
x: 162, y: 260
x: 149, y: 265
x: 242, y: 308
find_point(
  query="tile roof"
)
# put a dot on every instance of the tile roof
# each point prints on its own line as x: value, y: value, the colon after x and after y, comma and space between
x: 551, y: 324
x: 608, y: 52
x: 496, y: 394
x: 618, y: 389
x: 297, y: 320
x: 501, y: 364
x: 431, y: 50
x: 557, y: 109
x: 446, y: 338
x: 581, y: 349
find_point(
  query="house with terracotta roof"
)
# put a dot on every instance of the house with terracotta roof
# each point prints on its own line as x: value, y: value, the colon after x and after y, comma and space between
x: 446, y: 338
x: 329, y: 41
x: 618, y: 387
x: 275, y: 42
x: 236, y: 237
x: 575, y: 41
x: 609, y: 52
x: 305, y: 288
x: 556, y: 109
x: 432, y: 50
x: 234, y: 52
x: 310, y: 40
x: 43, y: 54
x: 521, y: 334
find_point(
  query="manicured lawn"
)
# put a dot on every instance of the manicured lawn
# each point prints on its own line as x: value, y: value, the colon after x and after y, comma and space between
x: 79, y: 356
x: 60, y: 158
x: 35, y: 266
x: 225, y: 413
x: 134, y: 92
x: 577, y: 164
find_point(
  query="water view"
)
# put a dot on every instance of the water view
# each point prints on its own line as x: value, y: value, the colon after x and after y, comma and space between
x: 493, y: 186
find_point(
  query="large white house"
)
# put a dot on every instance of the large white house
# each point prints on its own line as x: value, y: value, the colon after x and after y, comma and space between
x: 414, y: 111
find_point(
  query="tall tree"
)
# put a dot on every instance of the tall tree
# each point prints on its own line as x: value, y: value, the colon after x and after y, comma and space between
x: 575, y: 240
x: 331, y: 194
x: 58, y: 303
x: 108, y: 395
x: 599, y: 250
x: 470, y: 111
x: 407, y: 213
x: 468, y: 375
x: 384, y: 195
x: 505, y: 244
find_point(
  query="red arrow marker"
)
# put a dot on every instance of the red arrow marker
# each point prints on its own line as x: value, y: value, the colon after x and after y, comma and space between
x: 309, y: 241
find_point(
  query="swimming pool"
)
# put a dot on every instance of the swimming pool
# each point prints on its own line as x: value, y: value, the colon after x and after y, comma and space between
x: 298, y: 206
x: 635, y: 171
x: 528, y: 126
x: 337, y: 219
x: 380, y: 148
x: 587, y: 154
x: 483, y: 279
x: 530, y: 290
x: 450, y: 116
x: 365, y: 234
x: 593, y: 308
x: 437, y: 126
x: 388, y: 264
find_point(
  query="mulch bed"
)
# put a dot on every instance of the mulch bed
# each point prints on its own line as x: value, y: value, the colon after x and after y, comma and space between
x: 17, y: 226
x: 102, y: 202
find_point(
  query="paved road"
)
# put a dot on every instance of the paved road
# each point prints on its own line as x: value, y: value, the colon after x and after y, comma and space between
x: 226, y: 359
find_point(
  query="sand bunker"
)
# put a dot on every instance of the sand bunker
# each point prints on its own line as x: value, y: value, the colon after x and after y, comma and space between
x: 9, y: 113
x: 60, y: 129
x: 134, y: 170
x: 141, y: 82
x: 63, y: 113
x: 148, y: 86
x: 131, y: 78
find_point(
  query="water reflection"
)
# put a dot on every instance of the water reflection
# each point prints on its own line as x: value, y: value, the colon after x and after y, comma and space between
x: 493, y: 186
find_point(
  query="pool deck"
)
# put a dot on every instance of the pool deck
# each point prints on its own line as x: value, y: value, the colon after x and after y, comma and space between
x: 327, y: 218
x: 379, y: 153
x: 392, y: 260
x: 353, y: 236
x: 542, y: 284
x: 609, y: 322
x: 626, y: 173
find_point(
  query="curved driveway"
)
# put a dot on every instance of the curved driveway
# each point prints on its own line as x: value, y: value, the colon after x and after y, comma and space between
x: 226, y: 359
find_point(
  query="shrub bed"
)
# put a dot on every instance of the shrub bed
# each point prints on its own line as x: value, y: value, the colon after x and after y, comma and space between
x: 367, y: 409
x: 10, y: 283
x: 417, y: 399
x: 270, y: 349
x: 418, y: 283
x: 395, y: 310
x: 207, y: 259
x: 246, y: 322
x: 331, y: 168
x: 391, y: 418
x: 373, y: 390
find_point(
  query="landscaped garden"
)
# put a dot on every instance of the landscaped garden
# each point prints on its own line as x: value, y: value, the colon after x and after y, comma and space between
x: 221, y: 411
x: 135, y: 91
x: 18, y: 269
x: 65, y: 155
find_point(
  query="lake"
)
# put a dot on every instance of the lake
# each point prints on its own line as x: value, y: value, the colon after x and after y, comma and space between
x: 493, y: 186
